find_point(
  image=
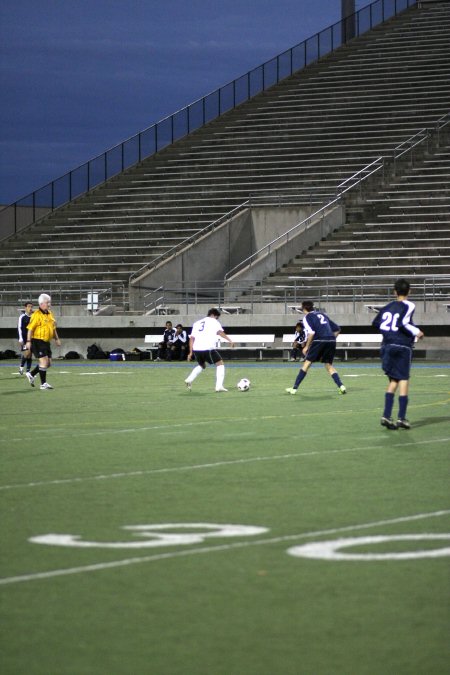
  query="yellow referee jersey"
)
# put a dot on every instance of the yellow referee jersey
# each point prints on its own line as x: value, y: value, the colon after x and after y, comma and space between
x: 42, y: 325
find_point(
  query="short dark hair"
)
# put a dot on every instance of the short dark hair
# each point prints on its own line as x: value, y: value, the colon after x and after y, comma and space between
x: 179, y: 325
x: 28, y: 302
x: 308, y: 305
x: 214, y: 312
x: 402, y: 287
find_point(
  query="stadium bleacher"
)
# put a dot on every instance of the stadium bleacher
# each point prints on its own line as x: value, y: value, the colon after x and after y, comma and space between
x: 300, y: 139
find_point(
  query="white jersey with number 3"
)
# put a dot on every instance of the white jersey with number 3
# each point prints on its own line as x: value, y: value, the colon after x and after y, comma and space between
x: 205, y: 334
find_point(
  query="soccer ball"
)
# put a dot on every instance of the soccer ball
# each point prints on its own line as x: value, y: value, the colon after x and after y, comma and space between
x: 244, y: 384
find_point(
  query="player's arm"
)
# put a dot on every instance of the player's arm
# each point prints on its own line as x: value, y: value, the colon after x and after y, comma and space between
x: 407, y: 325
x: 225, y: 337
x: 30, y: 331
x: 309, y: 340
x: 376, y: 323
x: 335, y: 328
x: 21, y: 332
x: 191, y: 347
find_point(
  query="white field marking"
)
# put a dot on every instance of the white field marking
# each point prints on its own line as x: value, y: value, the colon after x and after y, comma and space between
x: 214, y: 465
x: 112, y: 372
x: 363, y: 375
x: 184, y: 424
x: 153, y: 536
x: 224, y: 420
x: 97, y: 567
x: 330, y: 550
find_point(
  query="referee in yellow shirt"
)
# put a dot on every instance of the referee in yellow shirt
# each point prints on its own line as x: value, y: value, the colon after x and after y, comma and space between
x: 41, y: 330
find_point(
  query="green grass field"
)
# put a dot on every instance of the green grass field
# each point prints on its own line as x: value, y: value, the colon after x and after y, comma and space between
x: 121, y: 445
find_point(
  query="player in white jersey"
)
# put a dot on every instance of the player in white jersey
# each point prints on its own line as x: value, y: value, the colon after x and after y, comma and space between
x: 202, y: 345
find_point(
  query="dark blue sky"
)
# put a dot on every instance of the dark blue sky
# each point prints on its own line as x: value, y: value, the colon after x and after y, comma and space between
x: 79, y: 76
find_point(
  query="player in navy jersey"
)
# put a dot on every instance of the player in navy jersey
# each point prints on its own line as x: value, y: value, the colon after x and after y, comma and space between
x: 24, y: 320
x: 394, y: 321
x: 321, y: 333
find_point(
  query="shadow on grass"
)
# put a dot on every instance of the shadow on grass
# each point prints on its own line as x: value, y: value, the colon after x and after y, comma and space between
x: 430, y: 420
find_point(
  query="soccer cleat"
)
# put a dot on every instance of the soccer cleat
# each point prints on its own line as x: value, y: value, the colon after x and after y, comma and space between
x: 188, y: 385
x: 291, y: 390
x: 30, y: 378
x: 342, y: 389
x: 46, y: 385
x: 20, y: 370
x: 403, y: 424
x: 221, y: 389
x: 388, y: 422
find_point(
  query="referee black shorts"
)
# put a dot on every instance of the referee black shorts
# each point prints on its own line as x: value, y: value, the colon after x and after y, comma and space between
x: 210, y: 356
x: 41, y: 348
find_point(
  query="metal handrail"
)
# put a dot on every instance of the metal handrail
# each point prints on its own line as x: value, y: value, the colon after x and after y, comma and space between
x: 426, y: 288
x: 150, y: 266
x: 357, y: 178
x: 228, y: 97
x: 307, y: 222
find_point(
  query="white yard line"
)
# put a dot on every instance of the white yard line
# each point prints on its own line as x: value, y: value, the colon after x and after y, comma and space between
x: 212, y: 549
x: 214, y: 465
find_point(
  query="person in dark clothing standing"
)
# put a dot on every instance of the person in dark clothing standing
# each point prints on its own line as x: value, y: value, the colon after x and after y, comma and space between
x: 395, y: 323
x: 24, y: 319
x: 321, y: 333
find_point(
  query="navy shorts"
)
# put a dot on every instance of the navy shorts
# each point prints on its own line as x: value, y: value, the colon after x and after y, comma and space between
x: 210, y: 356
x: 41, y: 348
x: 321, y: 351
x: 396, y: 361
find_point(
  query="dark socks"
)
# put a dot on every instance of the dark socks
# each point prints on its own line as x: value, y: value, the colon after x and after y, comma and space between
x: 35, y: 371
x: 43, y: 375
x: 300, y: 377
x: 388, y: 405
x: 337, y: 379
x: 402, y: 405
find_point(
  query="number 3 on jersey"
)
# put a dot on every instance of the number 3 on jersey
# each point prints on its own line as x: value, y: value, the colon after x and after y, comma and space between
x: 389, y: 322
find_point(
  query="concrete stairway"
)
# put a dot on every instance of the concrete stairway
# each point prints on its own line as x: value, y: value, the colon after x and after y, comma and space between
x: 299, y: 139
x: 406, y: 232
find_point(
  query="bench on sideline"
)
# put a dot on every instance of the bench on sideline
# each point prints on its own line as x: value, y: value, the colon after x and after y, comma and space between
x: 348, y: 341
x: 249, y: 341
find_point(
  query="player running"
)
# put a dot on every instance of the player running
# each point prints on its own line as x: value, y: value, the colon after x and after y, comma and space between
x: 394, y: 321
x: 320, y: 345
x: 202, y: 343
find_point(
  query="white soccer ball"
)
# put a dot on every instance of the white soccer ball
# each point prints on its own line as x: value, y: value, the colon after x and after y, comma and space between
x: 244, y: 384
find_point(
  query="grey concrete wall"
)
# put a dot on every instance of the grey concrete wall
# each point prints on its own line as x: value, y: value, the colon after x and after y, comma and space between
x: 211, y: 256
x: 306, y: 236
x: 129, y: 332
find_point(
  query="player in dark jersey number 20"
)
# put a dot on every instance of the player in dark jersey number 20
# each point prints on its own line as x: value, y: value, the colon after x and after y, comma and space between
x: 395, y: 323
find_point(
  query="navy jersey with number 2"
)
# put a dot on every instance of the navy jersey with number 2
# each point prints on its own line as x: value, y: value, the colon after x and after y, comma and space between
x: 321, y: 325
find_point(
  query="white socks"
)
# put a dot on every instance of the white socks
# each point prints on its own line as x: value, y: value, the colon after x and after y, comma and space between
x: 195, y: 373
x: 220, y: 376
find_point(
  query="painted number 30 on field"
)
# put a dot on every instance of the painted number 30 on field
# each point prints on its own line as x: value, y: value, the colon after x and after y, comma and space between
x: 153, y: 536
x: 179, y: 534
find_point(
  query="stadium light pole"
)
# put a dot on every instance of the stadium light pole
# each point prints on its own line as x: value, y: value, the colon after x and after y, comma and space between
x: 348, y: 20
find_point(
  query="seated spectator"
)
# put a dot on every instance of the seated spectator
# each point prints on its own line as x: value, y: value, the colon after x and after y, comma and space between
x: 299, y: 342
x: 164, y: 346
x: 178, y: 348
